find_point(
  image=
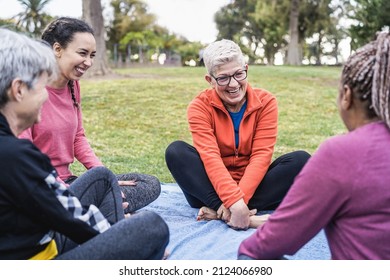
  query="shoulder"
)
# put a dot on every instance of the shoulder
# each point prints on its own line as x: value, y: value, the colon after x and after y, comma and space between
x: 206, y: 96
x: 262, y: 96
x: 19, y: 150
x: 261, y: 93
x: 359, y: 139
x: 203, y: 101
x: 22, y: 156
x: 12, y: 147
x: 338, y: 151
x: 262, y: 101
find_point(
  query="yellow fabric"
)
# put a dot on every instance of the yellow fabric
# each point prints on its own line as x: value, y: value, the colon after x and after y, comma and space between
x: 49, y: 253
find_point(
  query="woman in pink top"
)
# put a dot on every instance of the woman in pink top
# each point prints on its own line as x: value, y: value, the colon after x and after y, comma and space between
x: 344, y: 187
x: 60, y: 134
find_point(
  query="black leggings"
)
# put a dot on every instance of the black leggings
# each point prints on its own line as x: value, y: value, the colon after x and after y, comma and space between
x: 146, y: 191
x: 144, y: 235
x: 187, y: 169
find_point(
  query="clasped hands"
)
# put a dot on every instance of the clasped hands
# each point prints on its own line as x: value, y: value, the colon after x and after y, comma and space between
x: 238, y: 216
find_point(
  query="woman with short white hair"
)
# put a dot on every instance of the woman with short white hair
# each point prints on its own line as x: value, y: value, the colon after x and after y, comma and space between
x: 228, y: 172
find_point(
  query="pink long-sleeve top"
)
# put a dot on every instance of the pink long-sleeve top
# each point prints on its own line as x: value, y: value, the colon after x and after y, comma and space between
x: 344, y: 188
x: 60, y: 133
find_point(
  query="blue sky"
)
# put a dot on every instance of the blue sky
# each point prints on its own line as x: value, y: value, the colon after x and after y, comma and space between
x: 191, y: 18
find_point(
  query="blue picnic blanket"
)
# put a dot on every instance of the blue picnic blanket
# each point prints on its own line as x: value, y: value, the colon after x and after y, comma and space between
x: 212, y: 240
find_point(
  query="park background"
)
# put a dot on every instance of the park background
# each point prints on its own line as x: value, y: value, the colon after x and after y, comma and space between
x: 135, y: 96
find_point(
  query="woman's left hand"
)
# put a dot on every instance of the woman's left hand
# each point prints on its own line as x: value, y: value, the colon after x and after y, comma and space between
x: 125, y: 204
x: 223, y: 213
x: 127, y: 183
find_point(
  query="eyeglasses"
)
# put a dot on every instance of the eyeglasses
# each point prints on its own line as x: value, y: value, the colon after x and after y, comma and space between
x: 225, y: 80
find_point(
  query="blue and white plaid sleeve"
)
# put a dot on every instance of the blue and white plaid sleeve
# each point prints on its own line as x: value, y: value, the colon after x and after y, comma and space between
x: 91, y: 215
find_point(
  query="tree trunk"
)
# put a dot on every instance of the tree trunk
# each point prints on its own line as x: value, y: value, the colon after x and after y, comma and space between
x: 319, y: 50
x: 93, y: 15
x: 293, y: 54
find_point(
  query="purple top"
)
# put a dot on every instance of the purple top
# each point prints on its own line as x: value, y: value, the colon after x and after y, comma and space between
x: 344, y: 188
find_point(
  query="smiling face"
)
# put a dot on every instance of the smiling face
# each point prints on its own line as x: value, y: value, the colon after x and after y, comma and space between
x: 77, y: 57
x: 233, y: 95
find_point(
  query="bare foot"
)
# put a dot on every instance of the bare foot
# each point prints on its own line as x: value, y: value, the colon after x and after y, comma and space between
x: 166, y: 255
x: 206, y: 214
x: 256, y: 221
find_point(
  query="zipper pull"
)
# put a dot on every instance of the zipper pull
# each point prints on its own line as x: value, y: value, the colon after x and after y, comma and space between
x: 236, y: 152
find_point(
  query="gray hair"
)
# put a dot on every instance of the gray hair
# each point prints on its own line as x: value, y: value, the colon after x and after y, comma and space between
x: 221, y: 52
x: 23, y: 58
x: 367, y: 73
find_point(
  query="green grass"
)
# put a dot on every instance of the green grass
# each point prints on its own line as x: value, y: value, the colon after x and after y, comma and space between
x: 131, y: 120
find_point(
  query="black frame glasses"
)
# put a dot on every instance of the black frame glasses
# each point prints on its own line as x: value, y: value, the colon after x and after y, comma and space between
x: 239, y: 75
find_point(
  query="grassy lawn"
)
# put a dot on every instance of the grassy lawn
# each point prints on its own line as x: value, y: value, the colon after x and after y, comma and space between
x: 131, y: 120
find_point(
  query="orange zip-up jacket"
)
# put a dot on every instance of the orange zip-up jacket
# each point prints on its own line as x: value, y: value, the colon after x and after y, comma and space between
x: 234, y: 173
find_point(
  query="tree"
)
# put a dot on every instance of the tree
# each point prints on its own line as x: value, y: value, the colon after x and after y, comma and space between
x: 140, y: 40
x: 317, y: 22
x: 133, y: 29
x: 255, y: 25
x: 128, y: 16
x: 236, y: 22
x: 267, y: 25
x: 9, y: 24
x: 271, y: 17
x: 190, y: 51
x: 368, y: 17
x: 293, y: 53
x: 229, y: 21
x: 33, y: 19
x: 93, y: 14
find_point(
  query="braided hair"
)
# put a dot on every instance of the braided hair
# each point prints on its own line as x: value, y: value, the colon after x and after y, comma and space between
x: 71, y: 89
x: 62, y: 31
x: 367, y: 73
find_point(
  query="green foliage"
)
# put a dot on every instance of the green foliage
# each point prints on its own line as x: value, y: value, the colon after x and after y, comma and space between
x: 259, y: 26
x: 9, y: 24
x: 131, y: 120
x: 33, y: 19
x: 369, y: 17
x: 236, y: 21
x: 316, y: 19
x: 135, y: 28
x: 190, y: 51
x: 264, y: 25
x: 229, y: 21
x: 271, y: 16
x: 129, y: 16
x: 143, y: 38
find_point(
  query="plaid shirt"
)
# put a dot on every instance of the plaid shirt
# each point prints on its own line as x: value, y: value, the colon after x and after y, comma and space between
x: 91, y: 215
